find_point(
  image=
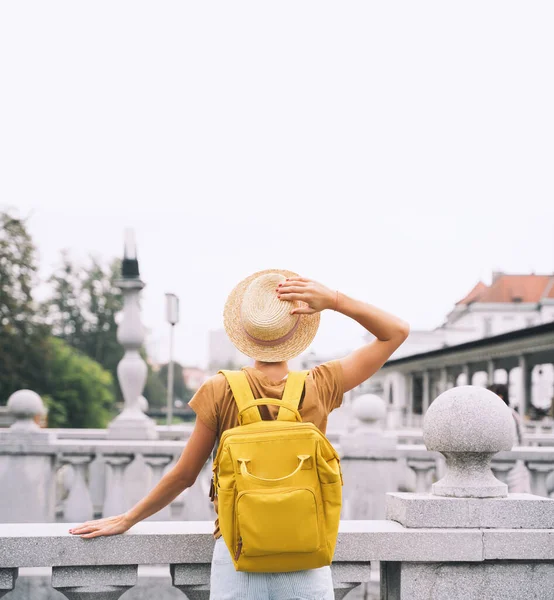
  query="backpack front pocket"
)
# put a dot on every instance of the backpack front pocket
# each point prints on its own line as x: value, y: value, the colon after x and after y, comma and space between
x: 277, y: 521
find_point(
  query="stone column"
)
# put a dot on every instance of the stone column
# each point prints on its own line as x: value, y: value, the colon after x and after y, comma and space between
x: 78, y: 504
x: 132, y: 371
x: 369, y: 461
x: 468, y: 374
x: 411, y: 399
x: 426, y: 391
x: 443, y: 382
x: 108, y: 582
x: 490, y: 371
x: 526, y: 386
x: 468, y: 425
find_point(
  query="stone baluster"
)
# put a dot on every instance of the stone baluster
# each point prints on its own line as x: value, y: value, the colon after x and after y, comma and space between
x: 192, y: 579
x: 7, y: 580
x: 78, y: 507
x: 132, y: 371
x: 369, y: 461
x: 157, y: 463
x: 423, y: 469
x: 115, y: 502
x: 501, y: 469
x: 539, y: 474
x: 107, y: 582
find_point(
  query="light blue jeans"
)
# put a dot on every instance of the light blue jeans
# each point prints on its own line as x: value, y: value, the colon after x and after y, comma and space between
x: 228, y: 584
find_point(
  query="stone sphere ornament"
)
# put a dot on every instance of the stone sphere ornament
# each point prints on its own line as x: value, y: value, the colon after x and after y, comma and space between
x: 468, y: 425
x: 369, y: 408
x: 24, y: 405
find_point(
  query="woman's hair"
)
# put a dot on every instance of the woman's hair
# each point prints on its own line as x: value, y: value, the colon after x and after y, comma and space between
x: 500, y: 389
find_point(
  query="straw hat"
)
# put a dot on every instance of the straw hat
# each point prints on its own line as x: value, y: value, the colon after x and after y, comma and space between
x: 260, y: 325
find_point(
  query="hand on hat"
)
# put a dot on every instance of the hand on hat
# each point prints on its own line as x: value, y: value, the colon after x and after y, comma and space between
x: 315, y: 296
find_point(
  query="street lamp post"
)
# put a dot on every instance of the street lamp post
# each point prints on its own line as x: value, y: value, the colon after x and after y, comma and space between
x: 172, y: 316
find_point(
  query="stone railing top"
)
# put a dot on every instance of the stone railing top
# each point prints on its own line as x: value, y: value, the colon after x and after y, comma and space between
x: 174, y: 432
x: 71, y: 446
x: 48, y: 545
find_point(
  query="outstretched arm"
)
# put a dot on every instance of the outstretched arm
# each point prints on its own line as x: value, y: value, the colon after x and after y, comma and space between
x: 389, y: 331
x: 180, y: 477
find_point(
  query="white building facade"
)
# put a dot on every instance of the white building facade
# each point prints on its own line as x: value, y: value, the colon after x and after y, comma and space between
x: 509, y: 303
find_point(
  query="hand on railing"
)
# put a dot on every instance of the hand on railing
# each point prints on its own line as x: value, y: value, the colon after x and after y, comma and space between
x: 105, y: 526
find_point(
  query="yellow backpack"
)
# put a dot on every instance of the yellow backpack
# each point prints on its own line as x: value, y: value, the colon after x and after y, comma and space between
x: 278, y: 483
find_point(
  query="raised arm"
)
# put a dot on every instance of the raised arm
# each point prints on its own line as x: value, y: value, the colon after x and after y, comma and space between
x: 181, y: 476
x: 389, y: 331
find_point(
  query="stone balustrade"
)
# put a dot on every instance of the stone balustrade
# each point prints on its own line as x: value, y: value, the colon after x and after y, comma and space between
x: 110, y: 486
x: 468, y: 538
x: 98, y: 476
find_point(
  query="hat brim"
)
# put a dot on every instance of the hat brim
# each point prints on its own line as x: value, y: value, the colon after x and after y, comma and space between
x: 295, y: 345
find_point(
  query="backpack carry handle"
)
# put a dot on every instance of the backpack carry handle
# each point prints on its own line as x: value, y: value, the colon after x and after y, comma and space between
x: 245, y: 473
x: 270, y: 402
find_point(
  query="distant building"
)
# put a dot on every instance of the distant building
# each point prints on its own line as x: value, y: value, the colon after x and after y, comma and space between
x: 194, y: 377
x: 510, y: 302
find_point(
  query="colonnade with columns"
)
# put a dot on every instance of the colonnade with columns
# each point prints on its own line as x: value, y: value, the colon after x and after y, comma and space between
x: 525, y: 365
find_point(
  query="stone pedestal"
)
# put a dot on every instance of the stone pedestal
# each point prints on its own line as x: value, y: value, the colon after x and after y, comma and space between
x: 469, y: 426
x: 27, y: 464
x: 369, y: 461
x: 466, y: 581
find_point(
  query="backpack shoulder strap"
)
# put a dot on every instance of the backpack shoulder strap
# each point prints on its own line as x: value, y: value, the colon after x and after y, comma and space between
x: 244, y: 398
x: 292, y: 395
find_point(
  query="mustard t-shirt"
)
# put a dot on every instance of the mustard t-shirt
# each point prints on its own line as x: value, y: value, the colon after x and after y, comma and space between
x: 215, y: 406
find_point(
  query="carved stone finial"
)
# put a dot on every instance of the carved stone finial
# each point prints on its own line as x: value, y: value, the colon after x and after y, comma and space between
x: 25, y: 405
x: 370, y: 410
x: 469, y: 425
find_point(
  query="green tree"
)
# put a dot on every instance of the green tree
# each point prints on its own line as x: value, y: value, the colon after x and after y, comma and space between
x: 155, y: 390
x: 180, y: 389
x: 82, y: 310
x: 23, y: 336
x: 78, y: 391
x: 75, y: 388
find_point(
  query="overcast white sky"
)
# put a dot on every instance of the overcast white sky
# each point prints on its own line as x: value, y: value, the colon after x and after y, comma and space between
x: 398, y: 151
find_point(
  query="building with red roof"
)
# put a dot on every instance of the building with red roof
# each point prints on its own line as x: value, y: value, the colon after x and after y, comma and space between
x: 510, y: 302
